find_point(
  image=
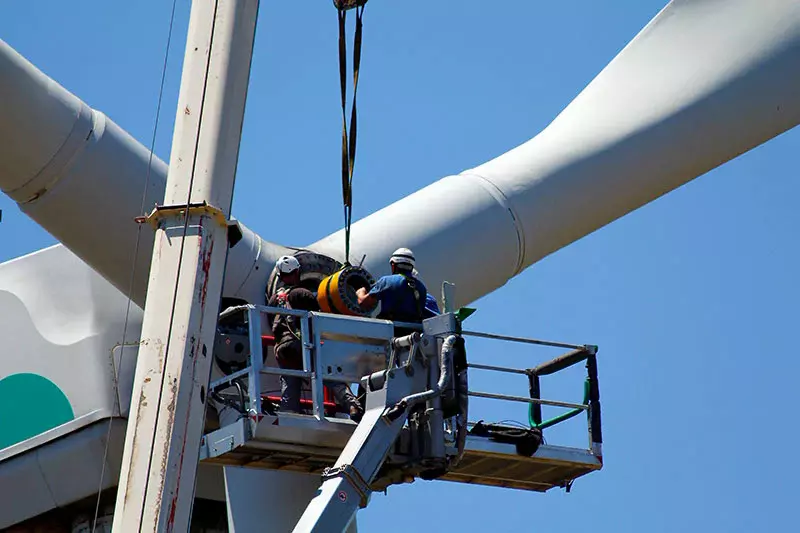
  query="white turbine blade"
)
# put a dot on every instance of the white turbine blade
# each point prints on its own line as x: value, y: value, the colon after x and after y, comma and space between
x: 81, y: 177
x: 74, y: 171
x: 705, y: 81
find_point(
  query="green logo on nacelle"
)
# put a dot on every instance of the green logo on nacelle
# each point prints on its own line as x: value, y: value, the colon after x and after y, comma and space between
x: 29, y: 405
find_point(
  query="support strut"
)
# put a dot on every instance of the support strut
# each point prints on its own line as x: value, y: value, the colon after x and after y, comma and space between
x: 167, y: 414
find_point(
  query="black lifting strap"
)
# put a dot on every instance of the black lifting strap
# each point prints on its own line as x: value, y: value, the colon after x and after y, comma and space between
x: 348, y: 144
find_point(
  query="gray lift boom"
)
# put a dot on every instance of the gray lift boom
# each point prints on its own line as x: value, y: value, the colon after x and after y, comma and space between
x: 421, y: 371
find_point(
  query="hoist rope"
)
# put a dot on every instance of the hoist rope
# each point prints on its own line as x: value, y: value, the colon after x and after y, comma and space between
x: 123, y: 344
x: 349, y: 141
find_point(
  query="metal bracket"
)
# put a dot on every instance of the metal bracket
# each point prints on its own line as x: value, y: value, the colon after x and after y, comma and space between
x: 161, y: 212
x: 353, y: 476
x: 448, y: 296
x: 348, y: 4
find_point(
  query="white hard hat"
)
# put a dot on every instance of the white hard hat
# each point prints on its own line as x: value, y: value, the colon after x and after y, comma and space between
x: 287, y: 264
x: 403, y: 256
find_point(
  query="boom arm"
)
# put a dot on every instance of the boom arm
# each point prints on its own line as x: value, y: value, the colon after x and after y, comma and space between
x: 419, y: 372
x: 346, y: 486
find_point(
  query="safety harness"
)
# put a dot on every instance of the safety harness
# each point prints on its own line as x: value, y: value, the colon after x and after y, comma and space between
x: 282, y: 301
x: 411, y: 283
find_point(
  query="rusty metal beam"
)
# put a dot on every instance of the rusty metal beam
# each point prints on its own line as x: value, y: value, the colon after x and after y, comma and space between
x: 167, y: 414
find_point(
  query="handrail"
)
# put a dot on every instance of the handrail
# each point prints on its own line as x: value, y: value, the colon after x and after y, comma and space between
x: 497, y: 368
x: 255, y: 366
x: 524, y: 340
x: 256, y: 356
x: 521, y: 399
x: 287, y: 372
x: 577, y: 354
x: 216, y: 385
x: 562, y: 417
x: 264, y: 309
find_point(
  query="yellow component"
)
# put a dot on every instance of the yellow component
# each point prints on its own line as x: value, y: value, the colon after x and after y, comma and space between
x: 337, y: 292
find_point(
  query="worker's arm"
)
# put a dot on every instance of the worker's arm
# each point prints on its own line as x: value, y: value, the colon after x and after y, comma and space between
x: 365, y: 299
x: 369, y: 298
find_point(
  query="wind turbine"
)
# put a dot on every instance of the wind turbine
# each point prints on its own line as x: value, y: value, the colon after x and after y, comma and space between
x: 681, y: 99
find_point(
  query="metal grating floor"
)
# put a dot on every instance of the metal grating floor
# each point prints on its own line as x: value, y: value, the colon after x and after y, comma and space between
x: 491, y: 463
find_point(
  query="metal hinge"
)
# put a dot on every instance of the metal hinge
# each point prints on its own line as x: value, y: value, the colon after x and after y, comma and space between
x: 353, y: 476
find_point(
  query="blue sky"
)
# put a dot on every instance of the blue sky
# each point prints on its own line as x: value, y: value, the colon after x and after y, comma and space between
x: 692, y: 299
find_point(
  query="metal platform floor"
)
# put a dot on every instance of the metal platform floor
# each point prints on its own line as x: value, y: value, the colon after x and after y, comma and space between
x: 487, y: 462
x: 275, y: 446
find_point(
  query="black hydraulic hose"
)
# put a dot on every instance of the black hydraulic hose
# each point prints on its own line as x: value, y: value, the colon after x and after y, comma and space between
x: 241, y: 392
x: 595, y: 429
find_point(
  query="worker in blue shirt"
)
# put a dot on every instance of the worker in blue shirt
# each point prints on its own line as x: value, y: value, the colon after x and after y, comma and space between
x: 402, y: 296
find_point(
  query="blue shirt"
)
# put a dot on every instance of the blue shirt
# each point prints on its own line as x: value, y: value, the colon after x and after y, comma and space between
x: 431, y: 307
x: 397, y: 298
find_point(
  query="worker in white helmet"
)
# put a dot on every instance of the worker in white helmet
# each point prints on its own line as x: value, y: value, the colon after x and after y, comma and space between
x: 402, y: 295
x: 288, y: 343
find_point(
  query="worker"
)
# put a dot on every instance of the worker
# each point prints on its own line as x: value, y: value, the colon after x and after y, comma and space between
x: 288, y: 343
x: 402, y: 295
